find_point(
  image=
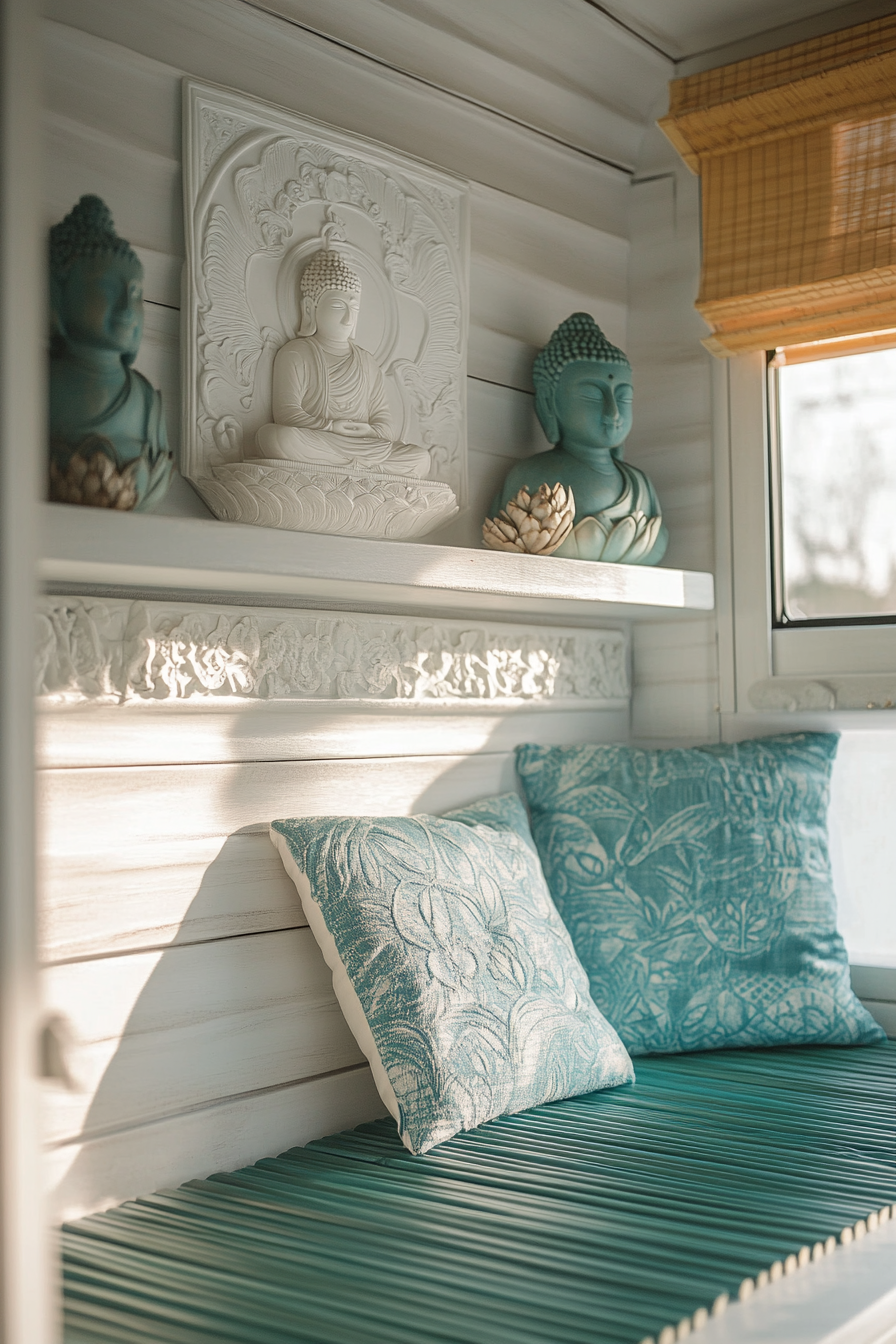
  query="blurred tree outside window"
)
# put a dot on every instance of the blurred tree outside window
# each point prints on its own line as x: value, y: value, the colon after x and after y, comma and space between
x: 836, y: 436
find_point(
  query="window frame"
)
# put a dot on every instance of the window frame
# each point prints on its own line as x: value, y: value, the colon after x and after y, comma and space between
x: 780, y: 620
x: 780, y: 664
x: 840, y: 674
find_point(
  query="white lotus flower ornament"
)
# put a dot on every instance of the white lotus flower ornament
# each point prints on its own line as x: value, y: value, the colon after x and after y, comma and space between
x: 625, y: 541
x: 535, y: 524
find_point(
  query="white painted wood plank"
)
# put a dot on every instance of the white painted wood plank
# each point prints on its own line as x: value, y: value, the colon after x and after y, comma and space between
x: 108, y: 88
x: 501, y: 421
x: 669, y: 653
x: 180, y: 734
x: 512, y: 302
x: 498, y: 358
x: 560, y: 66
x: 142, y: 857
x: 876, y: 980
x: 188, y: 888
x: 85, y: 812
x: 85, y: 1177
x: 680, y: 713
x: 672, y: 432
x: 203, y: 887
x: 545, y: 243
x: 226, y: 42
x: 100, y: 547
x: 141, y: 188
x: 153, y: 1034
x: 675, y: 690
x: 96, y: 88
x: 533, y: 42
x: 884, y: 1013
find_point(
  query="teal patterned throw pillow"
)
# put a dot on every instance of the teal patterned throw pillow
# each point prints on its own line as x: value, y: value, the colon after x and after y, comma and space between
x: 451, y: 964
x: 696, y: 885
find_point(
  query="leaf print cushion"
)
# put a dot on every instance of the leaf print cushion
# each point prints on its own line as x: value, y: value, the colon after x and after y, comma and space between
x: 452, y: 967
x: 697, y: 887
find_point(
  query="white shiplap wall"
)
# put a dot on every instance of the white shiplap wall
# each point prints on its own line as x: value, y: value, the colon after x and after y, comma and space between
x: 202, y: 1029
x: 676, y: 669
x: 113, y: 127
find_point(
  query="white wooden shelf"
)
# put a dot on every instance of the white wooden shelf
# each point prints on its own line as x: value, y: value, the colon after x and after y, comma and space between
x: 99, y: 548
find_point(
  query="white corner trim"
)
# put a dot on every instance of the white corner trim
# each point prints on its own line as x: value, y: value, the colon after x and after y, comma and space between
x: 100, y: 651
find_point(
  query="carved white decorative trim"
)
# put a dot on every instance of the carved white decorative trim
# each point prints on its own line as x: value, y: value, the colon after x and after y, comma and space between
x: 120, y: 652
x: 220, y: 132
x: 806, y: 694
x: 262, y: 188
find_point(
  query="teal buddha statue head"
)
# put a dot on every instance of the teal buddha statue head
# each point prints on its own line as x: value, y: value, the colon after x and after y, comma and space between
x: 96, y: 283
x: 108, y: 445
x: 583, y: 389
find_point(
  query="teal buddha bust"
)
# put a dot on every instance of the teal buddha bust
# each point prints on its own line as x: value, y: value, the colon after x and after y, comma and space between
x: 108, y: 445
x: 583, y: 399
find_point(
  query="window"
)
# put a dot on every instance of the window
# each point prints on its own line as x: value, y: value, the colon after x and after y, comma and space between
x: 833, y: 479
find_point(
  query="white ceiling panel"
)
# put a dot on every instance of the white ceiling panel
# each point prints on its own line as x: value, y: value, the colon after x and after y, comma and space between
x: 686, y: 28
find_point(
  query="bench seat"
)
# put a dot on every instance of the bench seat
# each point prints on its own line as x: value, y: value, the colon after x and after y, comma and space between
x: 604, y: 1219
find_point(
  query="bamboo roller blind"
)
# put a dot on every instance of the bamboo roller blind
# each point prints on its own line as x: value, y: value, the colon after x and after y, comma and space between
x: 797, y: 154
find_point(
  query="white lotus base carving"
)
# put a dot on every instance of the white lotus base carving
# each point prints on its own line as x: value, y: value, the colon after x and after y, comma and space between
x: 301, y: 497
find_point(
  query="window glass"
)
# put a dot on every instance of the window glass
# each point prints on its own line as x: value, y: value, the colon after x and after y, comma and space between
x: 836, y: 422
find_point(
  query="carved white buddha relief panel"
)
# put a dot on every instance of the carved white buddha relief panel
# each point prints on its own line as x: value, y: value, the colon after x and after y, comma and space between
x: 325, y: 325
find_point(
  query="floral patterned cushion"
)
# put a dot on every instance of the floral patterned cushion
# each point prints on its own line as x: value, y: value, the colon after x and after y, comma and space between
x: 696, y: 885
x: 451, y: 964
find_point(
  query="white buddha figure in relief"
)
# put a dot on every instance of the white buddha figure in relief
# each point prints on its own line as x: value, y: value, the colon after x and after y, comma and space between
x: 329, y: 395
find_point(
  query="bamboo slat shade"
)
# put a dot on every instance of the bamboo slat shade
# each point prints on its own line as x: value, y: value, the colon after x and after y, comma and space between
x: 797, y: 152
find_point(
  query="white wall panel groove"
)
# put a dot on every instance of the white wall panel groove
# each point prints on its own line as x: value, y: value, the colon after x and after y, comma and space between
x: 98, y: 1173
x: 226, y: 42
x: 157, y: 1033
x: 532, y: 265
x: 140, y: 857
x: 87, y: 812
x: 161, y: 734
x: 566, y: 68
x: 205, y: 887
x: 176, y: 945
x: 676, y: 692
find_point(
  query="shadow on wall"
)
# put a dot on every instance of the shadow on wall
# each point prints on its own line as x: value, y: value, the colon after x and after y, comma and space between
x: 220, y: 1041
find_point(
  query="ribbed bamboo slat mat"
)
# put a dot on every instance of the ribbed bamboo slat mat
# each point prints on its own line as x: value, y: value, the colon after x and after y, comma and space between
x: 604, y: 1219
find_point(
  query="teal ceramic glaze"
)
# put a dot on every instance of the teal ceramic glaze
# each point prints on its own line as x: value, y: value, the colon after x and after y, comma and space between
x: 108, y: 445
x: 584, y: 400
x: 697, y: 887
x: 467, y: 978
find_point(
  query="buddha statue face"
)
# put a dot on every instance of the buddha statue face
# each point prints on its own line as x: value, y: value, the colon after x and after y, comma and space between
x: 593, y: 405
x: 336, y: 316
x: 98, y: 305
x: 583, y: 391
x: 331, y: 298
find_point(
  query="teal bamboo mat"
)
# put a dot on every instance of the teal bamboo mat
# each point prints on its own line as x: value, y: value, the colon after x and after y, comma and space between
x: 596, y: 1220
